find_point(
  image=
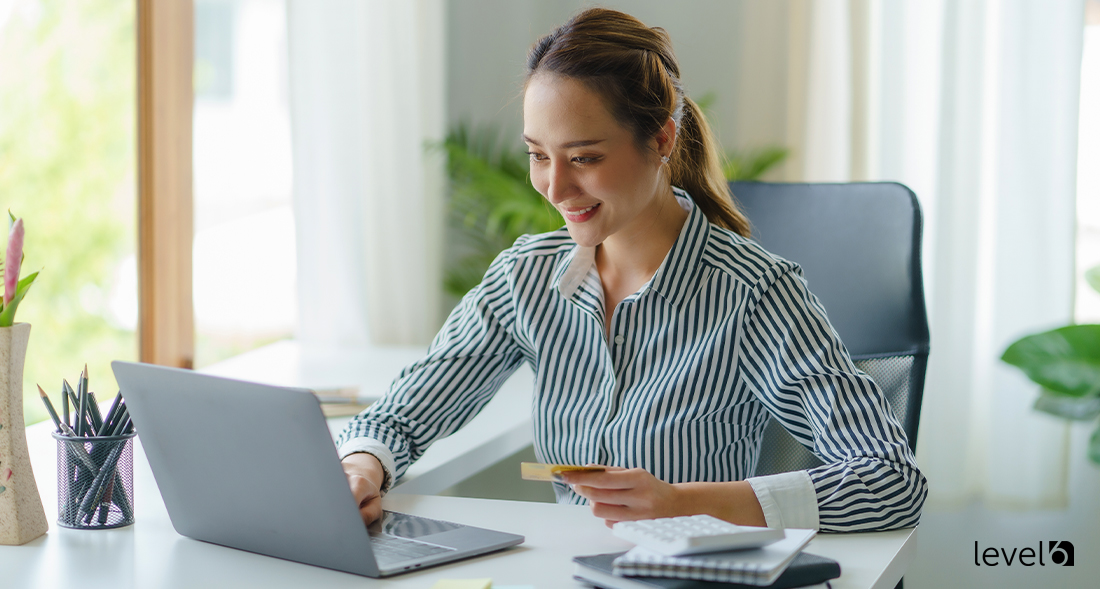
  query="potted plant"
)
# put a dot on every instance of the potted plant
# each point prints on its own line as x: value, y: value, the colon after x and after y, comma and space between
x: 1065, y: 363
x: 22, y: 518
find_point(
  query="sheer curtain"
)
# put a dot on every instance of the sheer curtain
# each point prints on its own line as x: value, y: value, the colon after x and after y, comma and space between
x: 367, y: 95
x: 973, y: 105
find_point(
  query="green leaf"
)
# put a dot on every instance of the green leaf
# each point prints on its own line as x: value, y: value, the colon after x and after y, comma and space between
x: 1068, y: 406
x: 1094, y: 446
x: 1092, y: 276
x: 751, y: 165
x: 7, y: 316
x: 491, y: 202
x: 1064, y: 360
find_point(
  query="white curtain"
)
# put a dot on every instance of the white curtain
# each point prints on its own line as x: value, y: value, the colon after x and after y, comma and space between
x: 974, y: 105
x: 367, y: 96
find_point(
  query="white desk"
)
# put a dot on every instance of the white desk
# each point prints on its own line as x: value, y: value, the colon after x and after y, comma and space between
x: 150, y: 553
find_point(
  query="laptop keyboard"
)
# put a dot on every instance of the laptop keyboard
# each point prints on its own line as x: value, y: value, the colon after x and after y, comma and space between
x: 388, y: 549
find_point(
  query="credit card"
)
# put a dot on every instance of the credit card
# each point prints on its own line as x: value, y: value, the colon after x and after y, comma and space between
x: 534, y: 471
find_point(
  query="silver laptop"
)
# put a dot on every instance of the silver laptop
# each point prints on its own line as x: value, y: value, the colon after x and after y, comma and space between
x: 254, y: 467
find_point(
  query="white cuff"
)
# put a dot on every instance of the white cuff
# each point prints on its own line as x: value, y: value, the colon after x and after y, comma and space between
x: 788, y: 499
x: 376, y: 449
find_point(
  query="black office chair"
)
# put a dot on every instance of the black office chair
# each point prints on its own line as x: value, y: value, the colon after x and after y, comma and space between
x: 859, y: 248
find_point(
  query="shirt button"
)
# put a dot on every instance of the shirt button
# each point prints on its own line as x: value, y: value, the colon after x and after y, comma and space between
x: 619, y: 339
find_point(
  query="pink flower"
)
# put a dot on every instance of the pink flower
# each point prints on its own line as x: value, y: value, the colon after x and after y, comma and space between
x: 14, y: 259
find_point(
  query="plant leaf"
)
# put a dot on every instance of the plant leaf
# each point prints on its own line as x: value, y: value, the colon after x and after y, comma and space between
x: 491, y: 202
x: 1064, y: 360
x: 7, y: 316
x: 1094, y: 446
x: 1068, y: 406
x: 751, y: 165
x: 1092, y: 276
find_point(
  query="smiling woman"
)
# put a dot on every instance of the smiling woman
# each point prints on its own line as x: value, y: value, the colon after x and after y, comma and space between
x: 662, y: 339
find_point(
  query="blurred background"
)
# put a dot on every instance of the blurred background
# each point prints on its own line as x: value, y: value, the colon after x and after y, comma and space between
x: 351, y: 159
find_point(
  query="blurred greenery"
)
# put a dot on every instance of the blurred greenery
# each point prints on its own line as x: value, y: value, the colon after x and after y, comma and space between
x: 67, y: 104
x: 1065, y: 363
x: 492, y: 201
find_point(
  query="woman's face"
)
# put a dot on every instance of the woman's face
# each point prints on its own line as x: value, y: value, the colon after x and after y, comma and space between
x: 586, y: 164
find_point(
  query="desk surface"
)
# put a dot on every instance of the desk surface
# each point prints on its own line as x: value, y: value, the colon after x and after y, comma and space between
x: 151, y: 554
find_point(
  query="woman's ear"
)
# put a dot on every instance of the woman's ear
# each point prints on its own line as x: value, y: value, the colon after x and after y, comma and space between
x: 666, y: 138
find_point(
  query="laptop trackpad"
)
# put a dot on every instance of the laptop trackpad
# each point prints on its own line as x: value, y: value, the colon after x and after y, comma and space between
x: 409, y: 526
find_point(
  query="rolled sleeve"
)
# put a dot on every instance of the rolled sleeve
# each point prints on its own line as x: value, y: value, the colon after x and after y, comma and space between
x: 788, y: 500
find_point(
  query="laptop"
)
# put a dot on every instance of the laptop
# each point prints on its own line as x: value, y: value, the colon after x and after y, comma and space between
x: 254, y: 467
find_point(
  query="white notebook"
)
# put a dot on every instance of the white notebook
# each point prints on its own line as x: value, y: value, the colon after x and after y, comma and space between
x: 759, y: 566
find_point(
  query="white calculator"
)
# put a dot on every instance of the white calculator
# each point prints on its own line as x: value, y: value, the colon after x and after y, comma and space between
x: 694, y: 534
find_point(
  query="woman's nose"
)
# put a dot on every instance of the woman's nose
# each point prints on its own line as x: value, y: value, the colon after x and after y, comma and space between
x: 561, y: 183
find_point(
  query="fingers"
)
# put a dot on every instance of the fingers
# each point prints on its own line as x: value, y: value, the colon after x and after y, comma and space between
x: 371, y: 510
x: 617, y: 513
x: 362, y: 488
x: 613, y: 478
x: 367, y: 497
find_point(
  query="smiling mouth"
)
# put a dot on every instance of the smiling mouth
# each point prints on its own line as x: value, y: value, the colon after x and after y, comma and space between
x: 580, y: 215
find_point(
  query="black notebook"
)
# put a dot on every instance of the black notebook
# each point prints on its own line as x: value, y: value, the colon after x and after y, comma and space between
x: 805, y: 569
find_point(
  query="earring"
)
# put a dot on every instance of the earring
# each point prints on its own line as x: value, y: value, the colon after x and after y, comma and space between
x: 664, y: 159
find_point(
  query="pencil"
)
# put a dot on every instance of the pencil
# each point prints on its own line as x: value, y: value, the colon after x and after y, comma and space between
x: 76, y: 403
x: 107, y: 419
x: 65, y: 406
x: 49, y: 407
x: 97, y: 417
x: 93, y: 405
x: 82, y: 396
x: 123, y: 422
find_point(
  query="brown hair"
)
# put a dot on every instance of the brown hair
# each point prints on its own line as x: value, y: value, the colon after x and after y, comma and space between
x: 634, y: 69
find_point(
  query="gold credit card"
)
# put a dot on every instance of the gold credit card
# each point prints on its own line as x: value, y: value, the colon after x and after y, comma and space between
x: 534, y: 471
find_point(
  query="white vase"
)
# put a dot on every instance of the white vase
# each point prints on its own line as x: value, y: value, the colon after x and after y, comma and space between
x: 22, y: 518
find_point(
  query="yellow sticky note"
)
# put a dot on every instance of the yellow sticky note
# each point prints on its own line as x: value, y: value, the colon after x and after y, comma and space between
x: 463, y: 584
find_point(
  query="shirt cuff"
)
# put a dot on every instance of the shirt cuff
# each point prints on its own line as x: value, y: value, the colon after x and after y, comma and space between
x: 376, y: 449
x: 788, y: 499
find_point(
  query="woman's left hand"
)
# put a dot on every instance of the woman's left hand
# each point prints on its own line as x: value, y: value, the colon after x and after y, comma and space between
x: 620, y: 494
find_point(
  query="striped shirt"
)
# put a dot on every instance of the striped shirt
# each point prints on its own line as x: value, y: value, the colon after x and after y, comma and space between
x: 724, y: 336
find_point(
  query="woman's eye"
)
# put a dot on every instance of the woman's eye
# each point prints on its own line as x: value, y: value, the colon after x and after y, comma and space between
x: 535, y: 157
x: 585, y: 160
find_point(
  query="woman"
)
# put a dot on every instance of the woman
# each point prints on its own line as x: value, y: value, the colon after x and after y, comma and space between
x: 661, y: 338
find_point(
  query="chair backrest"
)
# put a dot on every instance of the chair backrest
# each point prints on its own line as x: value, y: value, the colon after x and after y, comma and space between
x: 859, y: 247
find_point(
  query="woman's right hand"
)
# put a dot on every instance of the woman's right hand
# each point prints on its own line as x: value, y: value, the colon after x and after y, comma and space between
x: 365, y: 476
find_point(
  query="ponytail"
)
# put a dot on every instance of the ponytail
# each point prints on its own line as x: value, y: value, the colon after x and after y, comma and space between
x: 696, y: 167
x: 634, y: 69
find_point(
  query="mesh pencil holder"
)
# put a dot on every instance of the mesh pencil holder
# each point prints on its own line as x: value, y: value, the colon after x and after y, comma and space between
x: 95, y: 481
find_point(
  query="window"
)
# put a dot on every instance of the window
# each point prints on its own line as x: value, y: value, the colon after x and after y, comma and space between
x: 67, y: 104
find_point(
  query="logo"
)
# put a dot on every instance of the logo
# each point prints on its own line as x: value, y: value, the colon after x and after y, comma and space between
x: 1049, y: 553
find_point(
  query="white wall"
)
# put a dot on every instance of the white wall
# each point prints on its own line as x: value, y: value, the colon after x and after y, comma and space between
x: 489, y: 39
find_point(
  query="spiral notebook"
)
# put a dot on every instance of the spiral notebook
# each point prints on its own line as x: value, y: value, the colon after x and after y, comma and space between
x: 805, y: 570
x: 759, y: 566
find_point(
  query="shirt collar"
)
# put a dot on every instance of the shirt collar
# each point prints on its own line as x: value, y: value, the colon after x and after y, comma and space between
x: 676, y: 280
